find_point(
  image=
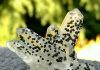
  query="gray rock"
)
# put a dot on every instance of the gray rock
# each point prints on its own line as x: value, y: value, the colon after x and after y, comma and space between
x: 10, y: 61
x: 95, y: 63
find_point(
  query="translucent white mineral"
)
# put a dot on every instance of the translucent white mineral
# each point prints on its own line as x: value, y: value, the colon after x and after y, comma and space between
x: 56, y: 50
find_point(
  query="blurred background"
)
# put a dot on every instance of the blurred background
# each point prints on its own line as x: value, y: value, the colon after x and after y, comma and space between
x: 39, y: 14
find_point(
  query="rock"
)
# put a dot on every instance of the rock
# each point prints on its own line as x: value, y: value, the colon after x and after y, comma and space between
x: 10, y: 61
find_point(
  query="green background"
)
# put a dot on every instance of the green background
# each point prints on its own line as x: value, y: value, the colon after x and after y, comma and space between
x: 39, y: 14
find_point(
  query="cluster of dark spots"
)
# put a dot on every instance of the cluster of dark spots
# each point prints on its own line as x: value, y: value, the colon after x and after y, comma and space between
x: 69, y: 38
x: 28, y: 37
x: 77, y: 28
x: 49, y: 47
x: 49, y: 38
x: 55, y: 47
x: 41, y: 59
x: 72, y: 55
x: 36, y: 48
x: 63, y: 50
x: 76, y: 32
x: 22, y: 46
x: 21, y: 38
x: 72, y: 26
x: 49, y: 42
x: 56, y: 54
x: 66, y: 35
x: 67, y: 29
x: 28, y: 52
x: 59, y: 59
x: 56, y: 31
x: 33, y: 38
x: 45, y: 50
x: 75, y: 37
x: 19, y: 48
x: 72, y: 30
x: 73, y: 42
x: 61, y: 41
x: 87, y: 67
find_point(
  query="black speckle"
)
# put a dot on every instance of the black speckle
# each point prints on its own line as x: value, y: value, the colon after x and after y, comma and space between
x: 48, y: 54
x: 42, y: 58
x: 38, y: 61
x: 47, y: 60
x: 49, y: 63
x: 30, y: 47
x: 35, y: 54
x: 32, y: 41
x: 71, y: 64
x: 37, y: 41
x: 44, y: 50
